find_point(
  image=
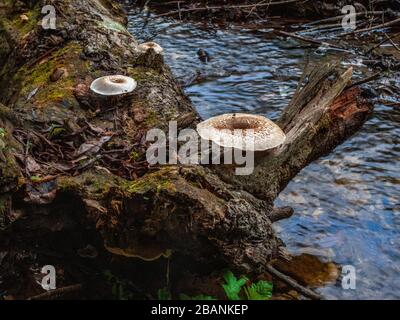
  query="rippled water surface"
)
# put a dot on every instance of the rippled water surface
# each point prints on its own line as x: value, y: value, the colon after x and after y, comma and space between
x: 347, y: 204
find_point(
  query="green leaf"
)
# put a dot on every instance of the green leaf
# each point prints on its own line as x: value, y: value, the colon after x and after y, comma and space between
x: 164, y: 294
x: 198, y: 297
x: 233, y: 286
x: 262, y: 290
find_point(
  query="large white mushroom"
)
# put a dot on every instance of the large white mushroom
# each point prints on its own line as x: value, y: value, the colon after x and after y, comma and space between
x: 242, y: 131
x: 144, y: 47
x: 113, y: 85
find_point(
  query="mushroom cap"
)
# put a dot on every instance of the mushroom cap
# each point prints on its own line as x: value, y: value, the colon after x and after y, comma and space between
x: 242, y: 131
x: 151, y: 45
x: 113, y: 85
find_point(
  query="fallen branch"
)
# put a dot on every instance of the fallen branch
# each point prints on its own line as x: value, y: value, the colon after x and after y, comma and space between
x: 392, y: 42
x: 389, y: 103
x: 313, y: 41
x: 382, y: 42
x: 342, y: 16
x: 294, y: 284
x: 383, y: 25
x: 365, y: 80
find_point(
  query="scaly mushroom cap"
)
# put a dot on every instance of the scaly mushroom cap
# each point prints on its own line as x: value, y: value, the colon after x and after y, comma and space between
x: 242, y: 131
x: 113, y: 85
x: 151, y: 45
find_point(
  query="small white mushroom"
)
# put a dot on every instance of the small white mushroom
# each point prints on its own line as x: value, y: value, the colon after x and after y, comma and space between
x: 242, y: 131
x: 144, y: 47
x: 113, y: 85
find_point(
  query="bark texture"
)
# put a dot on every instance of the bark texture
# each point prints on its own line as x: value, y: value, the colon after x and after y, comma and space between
x: 204, y: 213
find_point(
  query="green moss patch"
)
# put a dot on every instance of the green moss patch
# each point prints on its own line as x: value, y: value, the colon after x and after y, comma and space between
x: 48, y: 92
x: 154, y: 182
x: 15, y: 25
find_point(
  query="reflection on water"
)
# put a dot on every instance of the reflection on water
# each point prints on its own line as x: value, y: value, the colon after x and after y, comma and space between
x: 347, y: 204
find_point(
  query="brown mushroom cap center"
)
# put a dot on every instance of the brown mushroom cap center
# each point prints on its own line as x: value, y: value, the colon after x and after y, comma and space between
x: 117, y: 80
x: 238, y: 123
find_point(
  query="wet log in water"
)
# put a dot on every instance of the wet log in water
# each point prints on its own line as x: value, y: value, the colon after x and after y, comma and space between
x: 72, y: 167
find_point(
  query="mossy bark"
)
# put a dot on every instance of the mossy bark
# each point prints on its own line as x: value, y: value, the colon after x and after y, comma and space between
x: 205, y: 214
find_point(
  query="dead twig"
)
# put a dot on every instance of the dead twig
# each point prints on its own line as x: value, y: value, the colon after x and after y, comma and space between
x: 57, y: 293
x: 294, y: 284
x: 381, y: 43
x: 44, y: 55
x: 313, y: 41
x: 244, y: 6
x: 367, y: 13
x: 392, y: 42
x: 379, y: 26
x: 389, y: 103
x: 254, y: 8
x: 365, y: 80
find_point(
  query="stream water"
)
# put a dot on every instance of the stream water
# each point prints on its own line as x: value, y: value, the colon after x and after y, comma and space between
x: 347, y: 207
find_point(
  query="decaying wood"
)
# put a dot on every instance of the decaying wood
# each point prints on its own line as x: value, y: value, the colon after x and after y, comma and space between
x: 206, y: 214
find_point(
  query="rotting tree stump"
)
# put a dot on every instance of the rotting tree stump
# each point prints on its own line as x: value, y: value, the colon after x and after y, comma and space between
x: 58, y: 175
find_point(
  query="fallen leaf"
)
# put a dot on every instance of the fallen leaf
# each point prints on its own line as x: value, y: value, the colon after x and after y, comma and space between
x: 94, y: 128
x: 32, y: 94
x: 42, y: 193
x: 93, y: 204
x: 32, y: 166
x: 92, y: 147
